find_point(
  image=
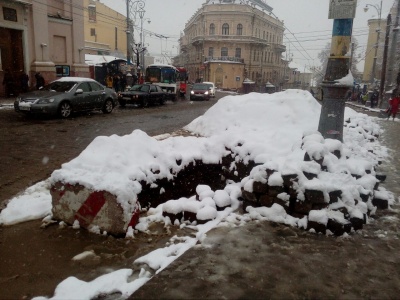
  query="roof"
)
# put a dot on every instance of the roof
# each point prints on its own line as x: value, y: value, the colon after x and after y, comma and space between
x: 93, y: 60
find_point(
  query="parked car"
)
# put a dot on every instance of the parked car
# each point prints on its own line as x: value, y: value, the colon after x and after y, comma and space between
x: 200, y: 91
x: 67, y: 95
x: 211, y: 86
x: 143, y: 95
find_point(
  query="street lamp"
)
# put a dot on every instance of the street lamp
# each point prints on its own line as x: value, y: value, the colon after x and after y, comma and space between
x: 379, y: 11
x: 129, y: 29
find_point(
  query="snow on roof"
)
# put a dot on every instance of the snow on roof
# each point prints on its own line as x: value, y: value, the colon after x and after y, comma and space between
x: 93, y: 60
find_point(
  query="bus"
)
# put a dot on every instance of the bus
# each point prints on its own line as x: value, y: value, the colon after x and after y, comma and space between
x: 183, y: 77
x: 165, y: 76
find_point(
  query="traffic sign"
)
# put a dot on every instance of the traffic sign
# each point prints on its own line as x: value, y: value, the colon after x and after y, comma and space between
x: 342, y: 9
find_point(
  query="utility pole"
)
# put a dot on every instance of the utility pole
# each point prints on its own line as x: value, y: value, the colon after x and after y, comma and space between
x: 128, y: 34
x: 334, y: 90
x: 384, y: 60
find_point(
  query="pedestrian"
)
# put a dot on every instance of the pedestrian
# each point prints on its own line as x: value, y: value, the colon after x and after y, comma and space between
x: 8, y: 83
x: 116, y: 83
x: 109, y: 81
x: 39, y: 81
x: 393, y: 105
x: 365, y: 98
x: 24, y: 82
x: 123, y: 82
x: 374, y: 98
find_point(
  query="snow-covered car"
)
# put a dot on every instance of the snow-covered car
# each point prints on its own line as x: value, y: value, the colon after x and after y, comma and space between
x: 67, y: 95
x: 143, y: 95
x: 200, y: 91
x: 211, y: 86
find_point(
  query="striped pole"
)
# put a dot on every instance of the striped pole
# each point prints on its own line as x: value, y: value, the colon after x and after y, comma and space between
x: 332, y: 113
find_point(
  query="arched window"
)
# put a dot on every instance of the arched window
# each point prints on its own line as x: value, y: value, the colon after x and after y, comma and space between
x: 239, y: 30
x: 212, y: 29
x: 224, y: 51
x: 225, y: 29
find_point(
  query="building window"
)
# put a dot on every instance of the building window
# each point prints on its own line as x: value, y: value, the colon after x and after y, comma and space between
x: 212, y: 29
x: 92, y: 12
x: 92, y: 31
x: 225, y: 29
x: 211, y: 52
x: 9, y: 14
x: 238, y: 52
x: 239, y: 30
x: 224, y: 51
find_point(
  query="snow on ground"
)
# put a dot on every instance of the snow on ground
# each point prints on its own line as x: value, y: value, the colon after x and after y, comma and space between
x: 272, y: 130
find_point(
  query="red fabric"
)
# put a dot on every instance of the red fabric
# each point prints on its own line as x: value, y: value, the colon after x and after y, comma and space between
x: 394, y: 104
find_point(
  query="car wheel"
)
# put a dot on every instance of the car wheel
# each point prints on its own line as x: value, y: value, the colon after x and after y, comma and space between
x: 65, y: 109
x: 162, y: 100
x: 145, y: 102
x: 122, y: 102
x: 108, y: 106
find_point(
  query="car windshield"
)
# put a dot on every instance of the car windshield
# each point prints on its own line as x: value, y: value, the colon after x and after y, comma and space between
x: 200, y: 87
x: 140, y: 88
x: 59, y: 86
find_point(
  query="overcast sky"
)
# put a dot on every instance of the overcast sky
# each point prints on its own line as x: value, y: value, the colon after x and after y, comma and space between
x: 306, y: 19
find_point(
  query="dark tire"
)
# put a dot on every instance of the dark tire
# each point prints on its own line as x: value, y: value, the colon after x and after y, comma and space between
x: 122, y: 103
x: 65, y: 110
x: 162, y: 100
x: 145, y: 102
x: 108, y: 106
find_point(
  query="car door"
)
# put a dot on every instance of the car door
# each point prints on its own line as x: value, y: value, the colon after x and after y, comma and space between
x: 98, y: 95
x: 80, y: 101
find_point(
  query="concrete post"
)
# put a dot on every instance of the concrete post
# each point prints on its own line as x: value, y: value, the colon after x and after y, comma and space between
x: 333, y: 105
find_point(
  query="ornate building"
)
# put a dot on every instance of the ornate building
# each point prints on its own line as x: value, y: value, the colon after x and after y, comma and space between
x: 228, y: 41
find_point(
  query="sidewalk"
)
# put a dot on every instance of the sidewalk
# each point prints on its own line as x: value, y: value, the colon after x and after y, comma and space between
x: 6, y: 102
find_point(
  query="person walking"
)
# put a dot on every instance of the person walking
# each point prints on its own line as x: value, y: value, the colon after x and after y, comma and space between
x: 374, y: 98
x: 393, y: 105
x: 39, y: 80
x: 109, y: 81
x: 24, y: 82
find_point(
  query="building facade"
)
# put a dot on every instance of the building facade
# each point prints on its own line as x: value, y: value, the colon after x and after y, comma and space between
x: 41, y: 36
x: 105, y: 30
x: 375, y: 26
x: 226, y: 42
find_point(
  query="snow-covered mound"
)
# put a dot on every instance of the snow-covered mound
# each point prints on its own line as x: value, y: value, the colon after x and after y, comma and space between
x: 263, y: 128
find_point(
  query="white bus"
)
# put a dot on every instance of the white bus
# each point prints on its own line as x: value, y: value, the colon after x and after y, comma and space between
x: 165, y: 76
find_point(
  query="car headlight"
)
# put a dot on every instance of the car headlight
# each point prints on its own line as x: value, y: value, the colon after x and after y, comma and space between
x: 45, y: 101
x: 206, y: 93
x: 192, y: 92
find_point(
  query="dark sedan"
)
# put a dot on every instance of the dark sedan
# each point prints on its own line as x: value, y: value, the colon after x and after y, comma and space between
x: 200, y: 91
x: 143, y: 95
x: 67, y: 95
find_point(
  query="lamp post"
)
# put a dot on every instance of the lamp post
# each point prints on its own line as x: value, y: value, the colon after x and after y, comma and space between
x: 378, y: 31
x: 129, y: 29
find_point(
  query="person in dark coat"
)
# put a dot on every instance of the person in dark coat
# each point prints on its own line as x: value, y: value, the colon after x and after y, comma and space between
x: 24, y: 82
x: 8, y: 83
x: 374, y: 98
x: 39, y: 80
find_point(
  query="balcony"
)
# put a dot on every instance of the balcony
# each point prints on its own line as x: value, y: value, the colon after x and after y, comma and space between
x: 224, y: 59
x: 229, y: 38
